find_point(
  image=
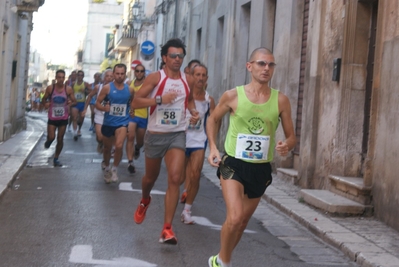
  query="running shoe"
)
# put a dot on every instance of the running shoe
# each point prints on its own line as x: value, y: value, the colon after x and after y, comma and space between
x: 186, y: 217
x: 47, y: 144
x: 183, y: 197
x: 131, y: 168
x: 107, y: 176
x: 79, y: 133
x: 212, y: 262
x: 141, y: 210
x: 114, y: 177
x: 103, y: 166
x: 168, y: 237
x: 91, y: 127
x: 136, y: 153
x: 69, y: 129
x: 57, y: 163
x: 75, y: 137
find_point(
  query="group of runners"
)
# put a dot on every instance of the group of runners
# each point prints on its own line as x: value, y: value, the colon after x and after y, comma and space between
x: 171, y: 115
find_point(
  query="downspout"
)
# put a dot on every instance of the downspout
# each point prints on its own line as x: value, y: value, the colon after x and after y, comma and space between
x: 175, y: 23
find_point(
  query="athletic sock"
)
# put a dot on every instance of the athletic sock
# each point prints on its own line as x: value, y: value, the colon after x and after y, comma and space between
x: 222, y: 264
x: 145, y: 201
x: 187, y: 207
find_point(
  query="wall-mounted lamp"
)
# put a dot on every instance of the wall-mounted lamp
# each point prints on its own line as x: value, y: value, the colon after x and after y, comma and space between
x: 14, y: 9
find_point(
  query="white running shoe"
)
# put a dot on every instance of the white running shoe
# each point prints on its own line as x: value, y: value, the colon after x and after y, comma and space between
x: 107, y: 176
x: 114, y: 177
x: 186, y: 217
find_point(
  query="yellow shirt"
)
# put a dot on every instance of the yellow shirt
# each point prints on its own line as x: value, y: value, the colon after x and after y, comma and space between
x: 141, y: 112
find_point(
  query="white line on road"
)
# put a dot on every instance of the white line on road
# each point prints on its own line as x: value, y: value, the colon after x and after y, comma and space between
x: 129, y: 187
x: 84, y: 254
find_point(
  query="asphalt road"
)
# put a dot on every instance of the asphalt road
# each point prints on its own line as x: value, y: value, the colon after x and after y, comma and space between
x: 69, y: 217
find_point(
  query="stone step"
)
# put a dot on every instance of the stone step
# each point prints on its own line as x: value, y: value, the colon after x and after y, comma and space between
x: 351, y: 188
x: 288, y: 175
x: 333, y: 203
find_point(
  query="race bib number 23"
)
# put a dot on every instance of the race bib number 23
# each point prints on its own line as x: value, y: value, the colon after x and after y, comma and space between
x: 252, y: 147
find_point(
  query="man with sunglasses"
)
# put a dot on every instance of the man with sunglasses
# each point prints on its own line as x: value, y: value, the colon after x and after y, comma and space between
x: 168, y: 96
x: 58, y: 99
x: 137, y: 124
x: 244, y: 171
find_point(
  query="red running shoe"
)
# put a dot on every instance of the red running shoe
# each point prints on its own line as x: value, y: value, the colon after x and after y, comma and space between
x: 168, y: 237
x: 139, y: 215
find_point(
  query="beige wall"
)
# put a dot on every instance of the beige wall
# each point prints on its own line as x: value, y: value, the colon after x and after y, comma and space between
x: 333, y: 112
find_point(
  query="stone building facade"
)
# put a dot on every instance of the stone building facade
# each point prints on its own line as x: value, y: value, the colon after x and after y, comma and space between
x: 335, y: 61
x: 16, y: 27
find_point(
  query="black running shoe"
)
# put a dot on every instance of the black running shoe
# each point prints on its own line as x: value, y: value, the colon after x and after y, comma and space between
x: 47, y: 144
x: 131, y: 168
x: 57, y: 163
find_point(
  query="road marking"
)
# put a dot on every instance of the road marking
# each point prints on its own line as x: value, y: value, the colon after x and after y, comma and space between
x: 206, y: 222
x: 84, y: 254
x: 80, y: 153
x: 129, y: 187
x: 198, y: 220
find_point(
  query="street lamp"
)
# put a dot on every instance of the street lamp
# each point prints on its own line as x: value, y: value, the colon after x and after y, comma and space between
x: 136, y: 9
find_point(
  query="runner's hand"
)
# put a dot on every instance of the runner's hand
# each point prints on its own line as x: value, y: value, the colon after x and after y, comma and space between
x: 169, y: 98
x: 282, y: 148
x: 194, y: 116
x: 107, y: 107
x: 214, y: 158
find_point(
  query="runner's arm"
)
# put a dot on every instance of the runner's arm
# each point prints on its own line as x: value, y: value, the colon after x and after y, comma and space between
x: 101, y: 97
x: 71, y: 96
x: 141, y: 99
x: 283, y: 147
x: 213, y: 123
x: 88, y: 99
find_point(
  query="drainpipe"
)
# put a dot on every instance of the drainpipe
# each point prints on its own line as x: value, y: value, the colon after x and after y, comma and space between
x: 175, y: 23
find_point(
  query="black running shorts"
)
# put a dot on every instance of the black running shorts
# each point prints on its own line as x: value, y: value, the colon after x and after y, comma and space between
x: 255, y: 177
x: 57, y: 123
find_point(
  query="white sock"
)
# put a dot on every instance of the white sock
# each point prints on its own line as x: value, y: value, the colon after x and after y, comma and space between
x: 114, y: 168
x: 187, y: 207
x: 222, y: 263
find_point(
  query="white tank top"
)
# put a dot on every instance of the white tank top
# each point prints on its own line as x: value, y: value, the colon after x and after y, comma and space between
x: 168, y: 118
x: 99, y: 115
x: 196, y: 134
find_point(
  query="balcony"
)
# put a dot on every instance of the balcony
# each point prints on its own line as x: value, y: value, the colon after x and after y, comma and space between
x: 29, y: 5
x: 126, y: 38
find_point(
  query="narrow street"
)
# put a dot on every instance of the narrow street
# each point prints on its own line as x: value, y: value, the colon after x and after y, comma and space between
x: 69, y: 217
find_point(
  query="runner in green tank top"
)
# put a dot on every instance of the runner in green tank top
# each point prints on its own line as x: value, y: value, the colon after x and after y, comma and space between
x: 255, y: 112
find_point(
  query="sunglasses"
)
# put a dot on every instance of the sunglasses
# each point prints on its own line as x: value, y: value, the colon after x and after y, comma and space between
x: 262, y: 63
x: 60, y: 77
x: 141, y: 71
x: 176, y: 55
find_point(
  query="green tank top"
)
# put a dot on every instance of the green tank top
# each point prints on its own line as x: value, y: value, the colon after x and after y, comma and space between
x: 252, y: 129
x: 78, y: 90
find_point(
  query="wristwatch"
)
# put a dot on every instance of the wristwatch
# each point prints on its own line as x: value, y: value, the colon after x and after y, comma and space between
x: 158, y: 99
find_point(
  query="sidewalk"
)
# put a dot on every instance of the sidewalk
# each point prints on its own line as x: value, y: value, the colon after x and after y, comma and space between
x: 366, y: 241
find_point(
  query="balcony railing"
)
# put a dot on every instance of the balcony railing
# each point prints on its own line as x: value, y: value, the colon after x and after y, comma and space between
x: 126, y: 37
